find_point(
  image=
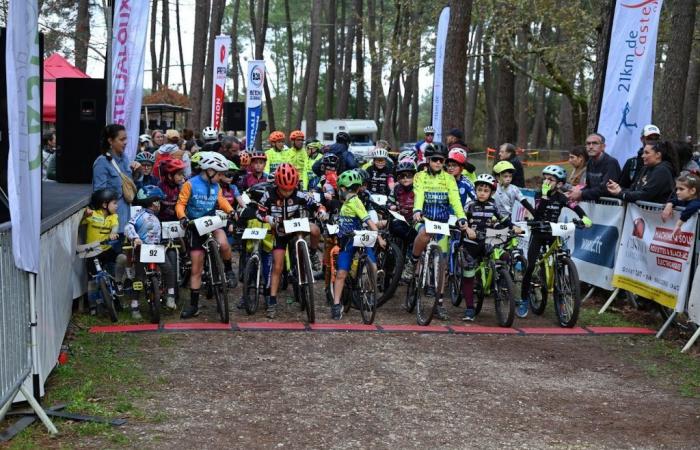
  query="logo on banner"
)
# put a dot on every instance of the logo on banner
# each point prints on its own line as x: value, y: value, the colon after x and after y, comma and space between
x: 222, y: 53
x: 256, y: 76
x: 593, y: 245
x: 623, y: 121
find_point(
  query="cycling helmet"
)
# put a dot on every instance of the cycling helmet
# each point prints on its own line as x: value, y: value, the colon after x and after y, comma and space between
x: 286, y: 177
x: 406, y: 165
x: 276, y: 136
x: 435, y: 149
x: 486, y: 179
x: 145, y: 158
x: 172, y: 166
x: 330, y: 160
x: 150, y: 193
x: 428, y: 130
x: 215, y: 161
x: 209, y: 134
x: 256, y: 155
x: 556, y: 171
x: 102, y: 196
x: 407, y: 154
x: 342, y: 138
x: 503, y: 166
x: 296, y: 134
x: 145, y: 138
x: 349, y: 179
x: 314, y: 144
x: 232, y: 167
x: 458, y: 155
x: 363, y: 174
x: 379, y: 152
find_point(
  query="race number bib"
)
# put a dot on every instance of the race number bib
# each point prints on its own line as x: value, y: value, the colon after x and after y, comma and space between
x: 172, y: 230
x: 379, y: 199
x: 152, y: 253
x: 297, y: 225
x: 317, y: 197
x: 207, y: 224
x: 562, y: 229
x: 494, y: 236
x: 333, y: 229
x: 373, y: 216
x: 436, y: 227
x: 364, y: 238
x: 397, y: 216
x: 254, y: 233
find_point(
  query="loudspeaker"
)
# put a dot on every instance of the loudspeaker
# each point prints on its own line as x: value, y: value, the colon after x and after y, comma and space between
x: 234, y: 116
x: 80, y: 119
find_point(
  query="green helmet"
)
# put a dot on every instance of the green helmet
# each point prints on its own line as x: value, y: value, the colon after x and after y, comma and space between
x: 349, y: 178
x: 232, y: 166
x: 503, y: 166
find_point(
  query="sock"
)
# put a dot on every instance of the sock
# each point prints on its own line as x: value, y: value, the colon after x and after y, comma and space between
x: 227, y: 265
x: 273, y: 300
x: 194, y: 297
x: 468, y: 291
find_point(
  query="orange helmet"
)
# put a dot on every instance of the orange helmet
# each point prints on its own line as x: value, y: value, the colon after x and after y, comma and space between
x: 296, y: 134
x: 286, y: 177
x: 245, y: 159
x: 276, y: 136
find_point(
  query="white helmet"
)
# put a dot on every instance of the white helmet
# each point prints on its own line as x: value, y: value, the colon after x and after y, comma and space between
x: 429, y: 129
x: 144, y: 138
x: 407, y: 154
x: 209, y: 134
x: 214, y: 160
x: 486, y: 179
x: 379, y: 152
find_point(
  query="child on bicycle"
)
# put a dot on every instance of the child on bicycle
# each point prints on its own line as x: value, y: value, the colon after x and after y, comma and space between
x: 145, y: 228
x: 144, y: 176
x: 457, y: 162
x: 688, y: 196
x: 284, y: 201
x: 256, y: 173
x: 482, y: 213
x: 299, y: 158
x: 172, y: 173
x: 199, y: 197
x: 228, y: 185
x: 549, y: 203
x: 352, y: 216
x: 401, y: 199
x: 506, y: 193
x: 380, y: 177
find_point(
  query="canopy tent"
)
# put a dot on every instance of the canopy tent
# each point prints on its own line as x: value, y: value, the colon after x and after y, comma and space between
x: 56, y: 66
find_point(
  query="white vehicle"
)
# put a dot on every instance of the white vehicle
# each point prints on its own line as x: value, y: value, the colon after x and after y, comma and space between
x: 362, y: 134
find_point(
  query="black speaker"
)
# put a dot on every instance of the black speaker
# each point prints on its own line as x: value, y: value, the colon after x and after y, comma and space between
x: 80, y: 119
x: 234, y: 116
x: 4, y: 137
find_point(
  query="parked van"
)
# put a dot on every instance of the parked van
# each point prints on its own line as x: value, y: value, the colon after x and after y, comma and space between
x: 362, y: 134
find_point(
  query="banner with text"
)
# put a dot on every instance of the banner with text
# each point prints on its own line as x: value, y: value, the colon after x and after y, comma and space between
x: 440, y: 44
x: 629, y: 78
x: 129, y: 29
x: 253, y: 100
x: 221, y: 50
x: 652, y: 260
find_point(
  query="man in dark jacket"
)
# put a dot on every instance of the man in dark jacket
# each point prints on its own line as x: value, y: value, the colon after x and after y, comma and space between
x: 506, y: 152
x: 600, y: 169
x: 633, y: 166
x: 346, y: 160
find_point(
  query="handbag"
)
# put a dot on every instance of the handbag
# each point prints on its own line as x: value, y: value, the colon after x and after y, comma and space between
x: 128, y: 186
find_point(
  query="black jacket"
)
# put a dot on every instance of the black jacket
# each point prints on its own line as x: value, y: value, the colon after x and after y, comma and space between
x: 654, y: 184
x: 598, y: 172
x: 632, y: 170
x: 519, y: 175
x: 346, y: 160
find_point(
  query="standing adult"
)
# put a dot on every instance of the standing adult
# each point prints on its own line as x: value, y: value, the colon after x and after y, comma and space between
x: 455, y: 137
x: 428, y: 136
x: 600, y: 169
x: 158, y: 139
x: 578, y: 158
x: 656, y: 180
x: 634, y: 165
x: 104, y: 173
x: 346, y: 160
x: 506, y: 152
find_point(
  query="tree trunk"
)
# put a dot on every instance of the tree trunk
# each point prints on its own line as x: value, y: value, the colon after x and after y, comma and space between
x: 506, y: 103
x: 332, y: 53
x: 566, y: 124
x: 604, y: 28
x: 692, y: 91
x: 473, y: 92
x: 340, y: 49
x: 360, y: 106
x: 179, y: 45
x: 490, y: 96
x: 199, y: 52
x: 82, y: 34
x: 396, y: 66
x: 415, y: 103
x: 522, y: 84
x: 375, y: 65
x: 155, y: 82
x: 404, y: 105
x: 539, y: 128
x: 344, y: 95
x: 217, y: 15
x: 314, y: 64
x: 234, y: 49
x: 670, y: 114
x: 454, y: 77
x: 166, y: 41
x: 290, y: 69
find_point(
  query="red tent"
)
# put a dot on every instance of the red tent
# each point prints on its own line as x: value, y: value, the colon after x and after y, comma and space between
x: 56, y: 66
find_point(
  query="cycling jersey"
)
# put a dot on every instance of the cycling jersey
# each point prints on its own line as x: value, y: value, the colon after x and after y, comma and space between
x: 467, y: 193
x: 145, y: 226
x: 436, y: 196
x: 199, y: 198
x: 251, y: 179
x: 379, y: 180
x: 309, y: 165
x: 300, y: 160
x: 483, y: 215
x: 403, y: 198
x: 272, y: 204
x: 167, y: 204
x: 275, y: 158
x: 100, y: 226
x: 505, y: 198
x: 352, y: 215
x: 548, y: 209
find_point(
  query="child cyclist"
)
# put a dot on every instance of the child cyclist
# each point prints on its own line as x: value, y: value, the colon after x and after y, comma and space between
x: 284, y: 201
x: 352, y: 216
x: 457, y: 162
x: 256, y: 171
x: 228, y: 185
x: 688, y: 196
x: 506, y: 193
x: 278, y: 153
x: 199, y: 197
x: 144, y: 175
x: 481, y: 214
x: 313, y: 149
x: 548, y: 205
x: 401, y: 200
x: 436, y: 197
x: 381, y: 178
x: 144, y: 228
x: 172, y: 172
x: 298, y: 157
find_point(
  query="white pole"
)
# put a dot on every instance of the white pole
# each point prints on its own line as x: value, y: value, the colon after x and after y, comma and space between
x: 609, y: 301
x: 668, y: 322
x: 39, y: 411
x: 690, y: 343
x: 588, y: 295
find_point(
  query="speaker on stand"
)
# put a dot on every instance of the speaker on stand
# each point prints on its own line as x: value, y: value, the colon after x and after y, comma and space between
x: 234, y: 116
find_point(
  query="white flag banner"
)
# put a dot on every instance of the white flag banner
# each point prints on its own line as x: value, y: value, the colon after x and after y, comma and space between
x: 130, y: 25
x: 629, y: 78
x: 439, y: 67
x: 221, y: 49
x: 24, y: 127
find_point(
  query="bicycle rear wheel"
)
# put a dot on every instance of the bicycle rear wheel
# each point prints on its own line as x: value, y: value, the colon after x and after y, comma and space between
x: 218, y: 283
x: 479, y: 293
x: 567, y: 292
x: 108, y: 300
x: 538, y: 290
x: 154, y: 298
x: 425, y: 304
x: 389, y: 268
x: 306, y: 289
x: 366, y: 284
x: 503, y: 297
x: 251, y: 285
x: 174, y: 260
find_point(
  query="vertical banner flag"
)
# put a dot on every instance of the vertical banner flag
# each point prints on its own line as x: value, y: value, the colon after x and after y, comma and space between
x: 629, y: 79
x: 221, y: 50
x: 129, y: 28
x: 253, y: 100
x: 24, y: 127
x: 439, y: 66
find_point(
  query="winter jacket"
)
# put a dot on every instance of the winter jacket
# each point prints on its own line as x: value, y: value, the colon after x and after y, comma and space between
x: 654, y: 184
x: 598, y: 172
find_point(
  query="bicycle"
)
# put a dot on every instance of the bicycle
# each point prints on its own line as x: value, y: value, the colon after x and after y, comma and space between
x: 107, y: 288
x: 555, y: 272
x: 302, y: 274
x: 253, y: 283
x: 173, y: 234
x: 150, y: 256
x: 390, y: 260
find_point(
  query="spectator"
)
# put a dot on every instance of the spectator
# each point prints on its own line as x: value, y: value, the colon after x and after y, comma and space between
x: 230, y: 148
x: 454, y: 137
x: 170, y: 149
x: 578, y: 157
x: 506, y: 152
x: 48, y: 153
x: 158, y: 139
x: 188, y: 137
x: 145, y: 144
x: 346, y: 160
x: 686, y: 163
x: 600, y: 169
x: 633, y: 166
x: 656, y: 180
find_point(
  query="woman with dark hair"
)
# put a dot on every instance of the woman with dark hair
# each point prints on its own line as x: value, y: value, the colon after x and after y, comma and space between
x: 104, y: 173
x: 656, y: 181
x: 578, y: 158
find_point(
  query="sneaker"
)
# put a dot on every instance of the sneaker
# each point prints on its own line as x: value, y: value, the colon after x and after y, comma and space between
x: 522, y: 308
x: 231, y: 279
x: 271, y: 310
x: 136, y: 314
x: 315, y: 261
x: 469, y: 315
x: 337, y: 311
x: 430, y: 291
x: 441, y: 313
x: 189, y: 312
x: 407, y: 273
x: 170, y: 302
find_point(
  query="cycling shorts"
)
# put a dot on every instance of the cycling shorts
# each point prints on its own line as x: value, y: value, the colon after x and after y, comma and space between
x: 194, y: 240
x: 444, y: 241
x: 348, y: 251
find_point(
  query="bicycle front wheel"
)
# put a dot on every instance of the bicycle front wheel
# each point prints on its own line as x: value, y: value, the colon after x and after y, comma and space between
x: 306, y: 289
x: 427, y: 301
x: 366, y: 284
x: 251, y: 285
x: 389, y: 269
x: 504, y: 297
x: 218, y: 283
x: 108, y: 300
x: 567, y: 292
x: 538, y: 289
x: 154, y: 298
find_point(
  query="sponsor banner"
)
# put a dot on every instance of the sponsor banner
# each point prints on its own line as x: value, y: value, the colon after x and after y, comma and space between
x: 652, y: 261
x: 440, y: 43
x: 130, y: 26
x: 24, y: 128
x: 253, y: 100
x: 221, y: 50
x: 629, y: 79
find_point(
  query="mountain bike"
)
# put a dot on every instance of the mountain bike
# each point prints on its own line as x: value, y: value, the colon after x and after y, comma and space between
x: 302, y: 273
x: 363, y: 277
x: 106, y: 284
x: 390, y: 259
x: 493, y: 276
x: 150, y: 256
x: 173, y: 234
x: 253, y: 280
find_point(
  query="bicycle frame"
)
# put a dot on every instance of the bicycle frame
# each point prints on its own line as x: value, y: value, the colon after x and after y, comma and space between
x: 553, y: 250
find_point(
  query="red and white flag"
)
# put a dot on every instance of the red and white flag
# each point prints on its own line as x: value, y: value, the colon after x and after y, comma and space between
x: 221, y: 50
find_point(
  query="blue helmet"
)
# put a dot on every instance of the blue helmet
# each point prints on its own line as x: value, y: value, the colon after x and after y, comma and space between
x: 556, y: 171
x: 145, y: 157
x: 149, y: 194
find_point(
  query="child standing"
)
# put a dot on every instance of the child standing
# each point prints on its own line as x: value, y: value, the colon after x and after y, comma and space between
x: 506, y: 193
x: 401, y: 199
x: 172, y: 172
x: 457, y: 163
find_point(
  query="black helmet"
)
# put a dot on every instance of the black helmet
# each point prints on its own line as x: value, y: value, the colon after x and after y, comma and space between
x: 363, y: 174
x: 342, y: 138
x: 436, y: 149
x: 102, y: 196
